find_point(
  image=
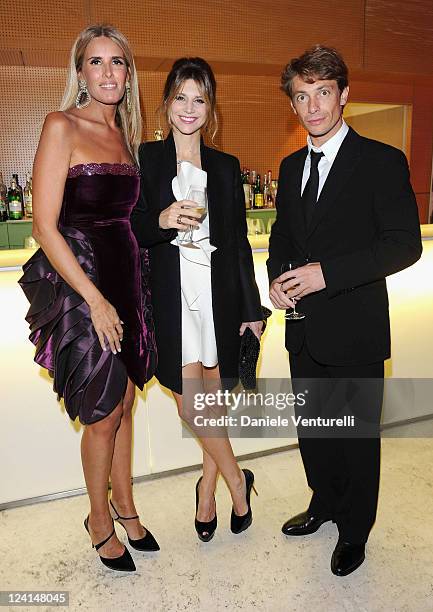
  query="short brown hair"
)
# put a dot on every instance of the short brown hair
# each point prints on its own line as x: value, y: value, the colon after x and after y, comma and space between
x: 317, y: 63
x: 198, y: 70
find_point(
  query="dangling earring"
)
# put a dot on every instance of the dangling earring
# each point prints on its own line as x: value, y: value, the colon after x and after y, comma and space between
x: 128, y: 97
x: 83, y: 98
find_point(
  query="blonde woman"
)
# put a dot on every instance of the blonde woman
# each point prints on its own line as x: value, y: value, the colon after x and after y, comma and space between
x: 88, y: 303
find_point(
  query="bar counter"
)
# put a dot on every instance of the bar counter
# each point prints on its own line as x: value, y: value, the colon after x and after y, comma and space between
x: 40, y: 446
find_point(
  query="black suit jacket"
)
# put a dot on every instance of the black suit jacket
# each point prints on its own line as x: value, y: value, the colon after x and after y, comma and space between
x: 235, y: 297
x: 365, y: 227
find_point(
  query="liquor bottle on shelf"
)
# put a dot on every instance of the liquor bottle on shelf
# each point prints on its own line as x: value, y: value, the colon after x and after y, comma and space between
x: 20, y: 189
x: 247, y: 187
x: 252, y: 183
x: 258, y: 195
x: 14, y: 202
x: 3, y: 200
x: 28, y: 196
x: 265, y: 191
x: 269, y: 200
x: 274, y: 189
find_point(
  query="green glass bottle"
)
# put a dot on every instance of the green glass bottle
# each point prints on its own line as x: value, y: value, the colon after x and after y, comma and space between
x: 20, y: 189
x: 14, y: 202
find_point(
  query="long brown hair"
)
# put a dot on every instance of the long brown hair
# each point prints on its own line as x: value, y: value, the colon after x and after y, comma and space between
x: 201, y: 73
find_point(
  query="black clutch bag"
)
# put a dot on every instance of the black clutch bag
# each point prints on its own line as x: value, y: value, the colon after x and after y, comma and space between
x: 249, y: 354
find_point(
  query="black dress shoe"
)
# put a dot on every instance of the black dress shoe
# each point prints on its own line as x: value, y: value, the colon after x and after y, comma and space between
x: 303, y: 524
x: 346, y: 558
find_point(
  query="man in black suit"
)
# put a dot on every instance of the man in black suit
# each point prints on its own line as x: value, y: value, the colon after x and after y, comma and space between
x: 346, y: 210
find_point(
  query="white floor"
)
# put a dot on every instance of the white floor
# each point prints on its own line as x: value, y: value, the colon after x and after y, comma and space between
x: 44, y: 546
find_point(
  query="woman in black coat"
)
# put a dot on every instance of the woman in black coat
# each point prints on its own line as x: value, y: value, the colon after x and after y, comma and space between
x: 203, y: 297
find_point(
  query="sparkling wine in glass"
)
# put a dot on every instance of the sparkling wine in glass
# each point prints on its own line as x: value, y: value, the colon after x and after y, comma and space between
x: 197, y: 194
x: 286, y: 267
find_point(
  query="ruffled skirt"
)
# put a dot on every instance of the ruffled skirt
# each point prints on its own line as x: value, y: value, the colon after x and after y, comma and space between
x: 91, y: 381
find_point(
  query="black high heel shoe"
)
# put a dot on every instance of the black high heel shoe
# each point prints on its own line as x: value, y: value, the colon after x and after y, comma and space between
x: 124, y: 563
x: 202, y: 527
x: 147, y: 543
x: 240, y: 523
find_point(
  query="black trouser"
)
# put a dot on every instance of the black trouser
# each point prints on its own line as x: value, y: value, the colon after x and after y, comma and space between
x: 343, y: 472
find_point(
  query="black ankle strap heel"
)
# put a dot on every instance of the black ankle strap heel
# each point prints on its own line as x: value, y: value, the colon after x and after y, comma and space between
x: 145, y: 544
x: 124, y: 563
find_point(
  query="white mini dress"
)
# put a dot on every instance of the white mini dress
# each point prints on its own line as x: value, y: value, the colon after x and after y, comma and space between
x: 198, y: 331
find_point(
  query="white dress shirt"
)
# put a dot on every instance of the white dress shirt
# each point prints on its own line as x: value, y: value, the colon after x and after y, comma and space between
x: 329, y: 149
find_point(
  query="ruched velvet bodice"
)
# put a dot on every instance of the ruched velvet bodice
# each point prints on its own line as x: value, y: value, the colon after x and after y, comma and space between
x: 94, y: 220
x: 98, y: 195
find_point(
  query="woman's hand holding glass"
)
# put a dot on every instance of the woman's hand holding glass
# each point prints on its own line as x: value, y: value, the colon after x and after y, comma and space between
x: 197, y: 194
x: 176, y: 217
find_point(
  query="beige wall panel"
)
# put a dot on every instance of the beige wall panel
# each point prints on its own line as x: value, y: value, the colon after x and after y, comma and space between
x: 399, y: 35
x: 246, y: 31
x: 387, y: 126
x: 41, y: 24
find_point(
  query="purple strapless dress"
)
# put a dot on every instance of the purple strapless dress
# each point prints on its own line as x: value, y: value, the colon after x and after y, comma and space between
x: 94, y: 220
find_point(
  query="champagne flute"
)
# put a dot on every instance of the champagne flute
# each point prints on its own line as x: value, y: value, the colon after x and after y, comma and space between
x: 286, y: 267
x: 197, y: 194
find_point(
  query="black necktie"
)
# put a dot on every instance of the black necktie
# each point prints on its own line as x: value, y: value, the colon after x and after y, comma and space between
x: 309, y: 195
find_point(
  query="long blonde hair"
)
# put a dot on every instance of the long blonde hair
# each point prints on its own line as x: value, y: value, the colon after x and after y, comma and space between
x: 130, y: 121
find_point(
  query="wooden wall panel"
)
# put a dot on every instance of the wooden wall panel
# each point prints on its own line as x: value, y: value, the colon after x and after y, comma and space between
x: 245, y: 31
x: 41, y: 24
x: 422, y: 138
x: 380, y: 92
x: 423, y: 202
x: 23, y: 111
x: 399, y: 35
x: 52, y: 58
x: 422, y: 147
x: 388, y: 45
x: 11, y: 57
x: 256, y: 123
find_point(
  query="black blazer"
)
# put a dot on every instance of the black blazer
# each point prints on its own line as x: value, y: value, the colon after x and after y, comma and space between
x: 365, y: 227
x: 235, y: 297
